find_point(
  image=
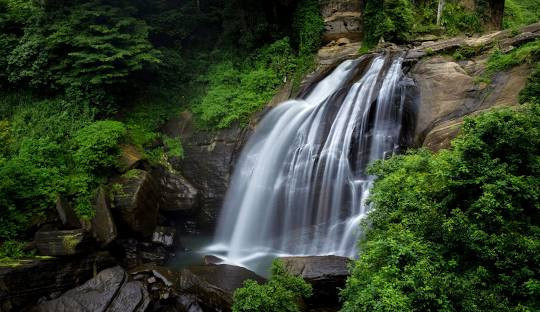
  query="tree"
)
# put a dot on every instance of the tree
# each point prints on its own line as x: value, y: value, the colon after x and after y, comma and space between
x: 458, y: 230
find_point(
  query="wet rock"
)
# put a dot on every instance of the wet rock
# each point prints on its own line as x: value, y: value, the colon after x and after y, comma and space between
x: 164, y: 235
x: 136, y: 202
x: 176, y: 193
x: 188, y: 303
x: 109, y: 291
x: 327, y: 275
x: 103, y: 227
x: 210, y: 259
x: 66, y: 213
x: 208, y: 161
x: 214, y: 285
x: 134, y: 253
x: 24, y: 282
x: 62, y: 243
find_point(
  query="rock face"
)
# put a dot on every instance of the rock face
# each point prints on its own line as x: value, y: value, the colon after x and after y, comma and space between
x: 448, y: 93
x: 62, y: 243
x: 24, y: 283
x: 208, y: 161
x: 327, y: 275
x: 342, y: 19
x: 176, y: 193
x: 211, y: 287
x: 136, y: 203
x: 448, y: 90
x: 109, y: 291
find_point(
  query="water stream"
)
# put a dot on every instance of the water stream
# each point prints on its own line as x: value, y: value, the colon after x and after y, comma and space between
x: 300, y: 187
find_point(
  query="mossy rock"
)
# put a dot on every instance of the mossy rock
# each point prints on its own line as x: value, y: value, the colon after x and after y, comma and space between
x: 62, y: 243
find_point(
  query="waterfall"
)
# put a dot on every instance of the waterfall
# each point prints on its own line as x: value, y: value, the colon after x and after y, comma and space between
x: 300, y: 187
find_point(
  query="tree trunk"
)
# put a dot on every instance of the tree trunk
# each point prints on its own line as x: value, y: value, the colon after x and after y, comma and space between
x: 496, y: 8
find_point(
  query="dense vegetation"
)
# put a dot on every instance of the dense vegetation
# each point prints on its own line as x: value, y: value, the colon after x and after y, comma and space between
x: 282, y: 293
x: 79, y: 78
x: 457, y: 230
x: 403, y: 20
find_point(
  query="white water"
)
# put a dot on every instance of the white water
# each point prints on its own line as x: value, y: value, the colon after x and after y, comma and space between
x: 299, y: 187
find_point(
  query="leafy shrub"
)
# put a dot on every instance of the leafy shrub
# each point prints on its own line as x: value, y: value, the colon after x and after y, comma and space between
x: 11, y: 249
x: 520, y: 12
x: 531, y: 92
x: 237, y: 90
x: 457, y: 19
x: 392, y: 20
x: 308, y: 26
x: 457, y: 230
x: 280, y: 294
x: 26, y: 191
x: 96, y: 145
x: 498, y: 61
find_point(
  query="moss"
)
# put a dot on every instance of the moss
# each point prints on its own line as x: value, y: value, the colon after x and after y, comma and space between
x: 71, y: 241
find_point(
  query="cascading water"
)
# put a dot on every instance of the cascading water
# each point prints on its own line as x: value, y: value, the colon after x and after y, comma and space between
x: 300, y: 185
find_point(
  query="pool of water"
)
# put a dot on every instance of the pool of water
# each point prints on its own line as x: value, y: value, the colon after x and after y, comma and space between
x: 196, y: 246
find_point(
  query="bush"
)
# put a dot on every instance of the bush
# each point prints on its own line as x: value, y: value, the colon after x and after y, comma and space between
x: 456, y: 19
x: 392, y: 20
x: 11, y: 250
x: 237, y: 89
x: 308, y: 26
x: 457, y: 230
x: 520, y: 12
x: 96, y: 146
x: 527, y: 53
x: 281, y: 294
x: 531, y: 92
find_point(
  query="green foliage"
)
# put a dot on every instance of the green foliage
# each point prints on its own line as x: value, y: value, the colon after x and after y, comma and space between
x: 96, y: 145
x: 174, y: 147
x: 520, y: 12
x: 54, y: 148
x: 467, y: 52
x: 458, y: 230
x: 392, y: 20
x: 280, y: 294
x: 531, y: 92
x: 236, y: 90
x: 11, y: 250
x: 85, y: 49
x: 456, y: 19
x: 402, y: 20
x: 498, y: 61
x: 308, y: 26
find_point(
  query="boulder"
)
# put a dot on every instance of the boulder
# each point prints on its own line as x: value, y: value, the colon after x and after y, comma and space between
x: 136, y: 202
x: 176, y: 193
x: 327, y: 275
x: 109, y: 291
x: 213, y: 285
x: 22, y: 283
x: 62, y: 243
x: 103, y: 227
